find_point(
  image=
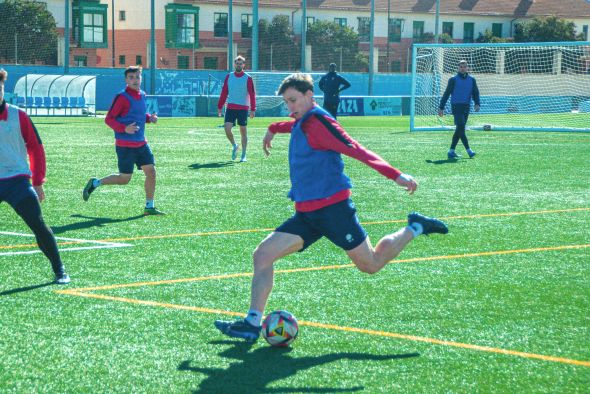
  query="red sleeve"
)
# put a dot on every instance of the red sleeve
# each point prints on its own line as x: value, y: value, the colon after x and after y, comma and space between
x: 224, y: 93
x: 120, y: 107
x: 281, y: 127
x: 35, y: 149
x: 252, y: 94
x: 324, y: 133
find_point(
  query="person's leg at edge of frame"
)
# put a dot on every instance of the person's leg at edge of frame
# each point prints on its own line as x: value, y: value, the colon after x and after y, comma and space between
x: 29, y: 210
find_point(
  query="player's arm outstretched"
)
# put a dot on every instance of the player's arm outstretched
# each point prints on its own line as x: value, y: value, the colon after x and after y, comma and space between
x: 273, y: 128
x: 326, y: 134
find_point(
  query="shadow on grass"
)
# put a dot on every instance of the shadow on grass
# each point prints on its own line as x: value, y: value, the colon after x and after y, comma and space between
x: 445, y: 161
x: 255, y: 370
x: 23, y: 289
x: 91, y: 222
x: 219, y: 164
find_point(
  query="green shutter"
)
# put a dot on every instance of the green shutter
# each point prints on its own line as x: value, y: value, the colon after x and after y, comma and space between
x: 170, y: 27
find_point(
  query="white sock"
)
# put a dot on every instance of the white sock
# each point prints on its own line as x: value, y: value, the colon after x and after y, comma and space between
x: 96, y: 183
x: 254, y: 317
x: 416, y: 228
x: 149, y: 203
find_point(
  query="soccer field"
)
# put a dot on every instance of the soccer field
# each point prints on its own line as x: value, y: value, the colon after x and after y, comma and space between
x: 500, y: 304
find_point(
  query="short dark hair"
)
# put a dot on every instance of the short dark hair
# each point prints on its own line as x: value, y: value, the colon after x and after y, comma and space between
x: 3, y: 75
x: 298, y: 81
x: 132, y: 69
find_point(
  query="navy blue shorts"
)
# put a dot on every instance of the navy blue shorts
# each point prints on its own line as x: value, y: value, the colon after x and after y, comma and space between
x: 460, y: 113
x: 241, y: 115
x: 337, y: 222
x: 14, y: 190
x: 129, y: 156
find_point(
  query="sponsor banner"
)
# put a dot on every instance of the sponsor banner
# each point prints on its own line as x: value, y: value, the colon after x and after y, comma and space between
x: 351, y: 106
x: 383, y: 106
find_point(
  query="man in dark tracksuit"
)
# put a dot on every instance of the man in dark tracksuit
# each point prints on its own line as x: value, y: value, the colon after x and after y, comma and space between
x: 462, y: 88
x: 330, y: 85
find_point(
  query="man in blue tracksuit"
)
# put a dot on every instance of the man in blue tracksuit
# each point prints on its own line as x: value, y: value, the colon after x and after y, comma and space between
x: 332, y: 84
x: 462, y: 88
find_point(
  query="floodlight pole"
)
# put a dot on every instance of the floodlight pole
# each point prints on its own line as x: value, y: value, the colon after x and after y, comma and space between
x: 255, y: 35
x: 388, y: 44
x: 436, y: 21
x: 230, y: 35
x: 67, y: 38
x: 153, y: 50
x: 372, y: 47
x: 113, y: 29
x: 303, y: 32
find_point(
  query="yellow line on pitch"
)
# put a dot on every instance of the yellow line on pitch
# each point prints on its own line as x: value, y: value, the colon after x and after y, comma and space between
x: 229, y: 232
x: 448, y: 343
x: 339, y: 328
x: 333, y: 267
x: 258, y: 230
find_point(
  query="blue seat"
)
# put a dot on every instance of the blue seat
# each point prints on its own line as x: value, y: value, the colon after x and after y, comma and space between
x: 20, y: 101
x: 73, y: 102
x: 56, y: 102
x: 47, y: 104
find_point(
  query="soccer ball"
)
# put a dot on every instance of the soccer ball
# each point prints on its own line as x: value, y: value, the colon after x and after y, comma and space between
x: 280, y: 328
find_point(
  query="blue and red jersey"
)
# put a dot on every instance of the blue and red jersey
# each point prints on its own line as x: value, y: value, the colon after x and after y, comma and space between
x: 315, y: 163
x: 128, y: 106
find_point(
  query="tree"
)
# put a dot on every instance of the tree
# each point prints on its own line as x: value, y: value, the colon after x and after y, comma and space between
x: 32, y: 28
x: 546, y: 29
x: 331, y: 42
x: 276, y: 40
x: 488, y: 36
x: 428, y: 37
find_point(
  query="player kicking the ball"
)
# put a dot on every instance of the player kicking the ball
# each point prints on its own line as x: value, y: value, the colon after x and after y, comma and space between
x: 321, y: 192
x: 127, y: 117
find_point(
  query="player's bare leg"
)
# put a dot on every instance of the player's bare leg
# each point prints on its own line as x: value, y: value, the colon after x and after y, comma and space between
x: 230, y: 136
x: 244, y: 137
x: 372, y: 260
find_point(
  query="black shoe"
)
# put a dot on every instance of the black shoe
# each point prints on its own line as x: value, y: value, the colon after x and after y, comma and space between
x: 238, y: 329
x: 429, y: 225
x: 88, y: 189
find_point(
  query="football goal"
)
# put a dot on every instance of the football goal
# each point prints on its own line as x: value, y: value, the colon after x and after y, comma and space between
x: 524, y: 86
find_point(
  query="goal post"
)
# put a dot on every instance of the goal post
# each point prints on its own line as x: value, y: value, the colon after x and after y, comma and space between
x: 523, y: 86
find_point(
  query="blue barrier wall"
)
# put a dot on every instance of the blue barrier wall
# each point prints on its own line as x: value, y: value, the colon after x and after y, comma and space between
x: 109, y: 81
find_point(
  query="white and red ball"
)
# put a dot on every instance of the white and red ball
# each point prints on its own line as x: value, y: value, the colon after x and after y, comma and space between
x: 280, y: 328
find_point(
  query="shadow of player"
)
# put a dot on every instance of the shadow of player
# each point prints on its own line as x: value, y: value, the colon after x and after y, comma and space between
x: 255, y: 370
x: 91, y: 222
x: 219, y: 164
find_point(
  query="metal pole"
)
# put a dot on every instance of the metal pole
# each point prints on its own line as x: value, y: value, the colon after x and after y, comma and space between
x: 15, y: 47
x: 153, y: 50
x: 270, y: 68
x: 255, y: 35
x: 436, y: 21
x: 371, y: 47
x: 67, y: 38
x: 388, y: 19
x: 113, y: 29
x: 230, y: 35
x: 303, y: 32
x: 340, y: 59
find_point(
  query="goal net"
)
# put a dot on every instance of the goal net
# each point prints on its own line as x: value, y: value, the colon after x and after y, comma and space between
x: 532, y: 86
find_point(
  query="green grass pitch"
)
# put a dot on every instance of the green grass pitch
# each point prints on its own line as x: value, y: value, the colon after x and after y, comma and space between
x: 500, y: 304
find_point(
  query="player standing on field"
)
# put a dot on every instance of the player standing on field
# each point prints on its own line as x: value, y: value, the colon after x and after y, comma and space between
x: 321, y: 192
x: 462, y: 88
x: 332, y: 84
x: 127, y: 117
x: 19, y: 139
x: 238, y: 90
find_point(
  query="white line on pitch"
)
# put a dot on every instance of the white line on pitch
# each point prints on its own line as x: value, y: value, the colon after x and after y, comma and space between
x: 106, y: 243
x: 109, y: 246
